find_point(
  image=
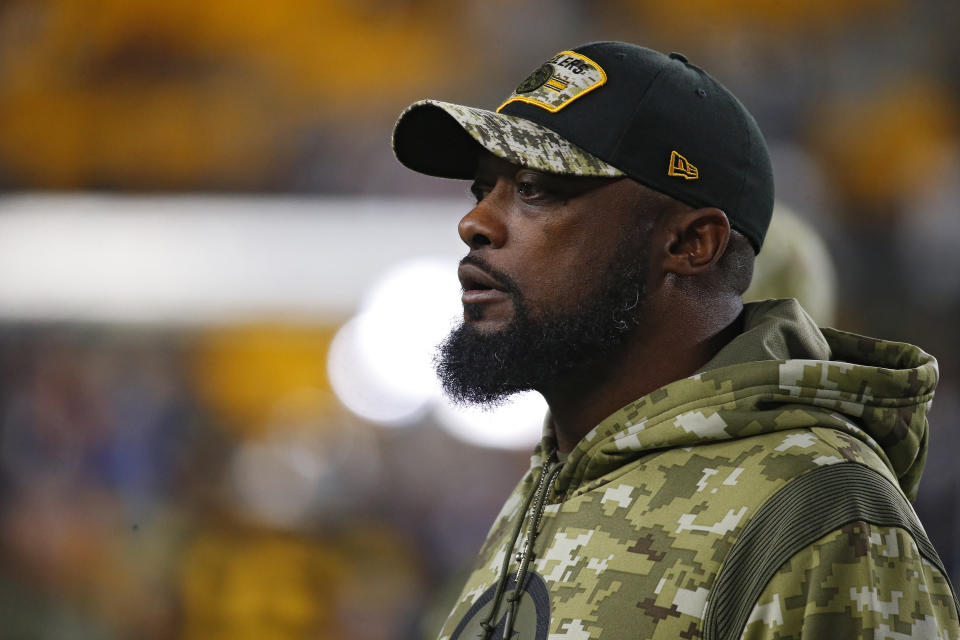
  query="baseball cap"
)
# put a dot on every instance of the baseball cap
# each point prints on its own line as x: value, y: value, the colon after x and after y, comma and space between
x: 609, y: 109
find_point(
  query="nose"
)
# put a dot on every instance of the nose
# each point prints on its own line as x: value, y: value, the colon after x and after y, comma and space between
x: 484, y: 225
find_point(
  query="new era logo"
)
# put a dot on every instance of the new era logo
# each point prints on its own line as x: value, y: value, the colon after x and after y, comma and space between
x: 681, y: 167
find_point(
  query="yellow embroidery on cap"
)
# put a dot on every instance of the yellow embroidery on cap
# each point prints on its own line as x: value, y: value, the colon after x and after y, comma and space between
x: 564, y: 86
x: 681, y: 167
x: 556, y: 84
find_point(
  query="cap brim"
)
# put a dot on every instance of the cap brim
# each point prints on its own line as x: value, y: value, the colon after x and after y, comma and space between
x: 443, y: 139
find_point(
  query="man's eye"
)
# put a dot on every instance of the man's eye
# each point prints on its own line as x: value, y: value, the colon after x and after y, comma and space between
x: 530, y: 191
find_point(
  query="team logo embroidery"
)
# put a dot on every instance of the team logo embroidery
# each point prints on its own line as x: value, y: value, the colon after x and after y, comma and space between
x: 561, y: 80
x: 536, y: 79
x: 681, y: 167
x: 533, y: 614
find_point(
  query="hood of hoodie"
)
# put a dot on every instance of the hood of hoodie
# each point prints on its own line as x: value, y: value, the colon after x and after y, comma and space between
x: 781, y: 372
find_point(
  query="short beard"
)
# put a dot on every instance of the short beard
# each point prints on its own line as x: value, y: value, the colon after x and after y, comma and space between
x: 479, y: 368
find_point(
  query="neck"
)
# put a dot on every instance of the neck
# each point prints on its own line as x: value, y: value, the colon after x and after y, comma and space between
x: 655, y: 356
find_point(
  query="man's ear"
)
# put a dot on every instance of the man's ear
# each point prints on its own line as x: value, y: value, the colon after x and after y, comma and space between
x: 694, y: 240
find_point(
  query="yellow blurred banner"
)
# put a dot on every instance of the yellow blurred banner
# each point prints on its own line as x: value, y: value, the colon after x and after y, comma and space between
x: 182, y: 94
x: 246, y: 374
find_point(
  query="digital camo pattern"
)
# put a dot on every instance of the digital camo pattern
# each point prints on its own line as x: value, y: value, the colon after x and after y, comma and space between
x: 650, y: 502
x: 866, y: 578
x: 522, y: 142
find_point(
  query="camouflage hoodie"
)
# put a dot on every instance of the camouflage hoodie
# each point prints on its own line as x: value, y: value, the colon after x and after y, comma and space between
x: 763, y: 497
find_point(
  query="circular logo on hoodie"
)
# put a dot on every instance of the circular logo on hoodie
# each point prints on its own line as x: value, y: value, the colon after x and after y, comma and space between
x: 533, y: 612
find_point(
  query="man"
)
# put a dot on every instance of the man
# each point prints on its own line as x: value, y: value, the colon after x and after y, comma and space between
x: 708, y: 469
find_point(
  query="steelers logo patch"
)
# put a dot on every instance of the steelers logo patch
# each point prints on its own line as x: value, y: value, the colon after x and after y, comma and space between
x: 561, y: 80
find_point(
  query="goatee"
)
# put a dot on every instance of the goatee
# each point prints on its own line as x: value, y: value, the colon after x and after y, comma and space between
x: 533, y: 353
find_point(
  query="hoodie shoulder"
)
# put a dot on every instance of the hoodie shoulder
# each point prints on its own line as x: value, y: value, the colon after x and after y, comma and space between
x: 780, y: 373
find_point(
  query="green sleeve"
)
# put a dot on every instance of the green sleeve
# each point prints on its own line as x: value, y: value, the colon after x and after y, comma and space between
x: 859, y: 581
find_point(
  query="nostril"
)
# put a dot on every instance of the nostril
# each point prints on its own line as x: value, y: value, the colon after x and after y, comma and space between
x: 480, y: 240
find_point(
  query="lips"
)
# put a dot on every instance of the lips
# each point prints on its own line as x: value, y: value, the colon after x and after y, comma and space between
x: 473, y: 278
x: 479, y: 286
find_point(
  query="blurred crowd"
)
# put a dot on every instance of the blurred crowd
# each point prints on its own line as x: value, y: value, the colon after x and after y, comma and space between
x: 204, y: 481
x: 205, y: 484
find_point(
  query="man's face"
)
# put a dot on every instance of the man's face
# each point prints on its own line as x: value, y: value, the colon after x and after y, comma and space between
x: 554, y: 279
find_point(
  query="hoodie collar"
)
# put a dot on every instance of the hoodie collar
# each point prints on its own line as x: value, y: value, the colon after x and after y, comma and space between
x: 878, y: 391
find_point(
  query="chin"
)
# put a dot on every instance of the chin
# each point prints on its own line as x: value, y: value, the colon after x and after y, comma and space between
x: 478, y: 317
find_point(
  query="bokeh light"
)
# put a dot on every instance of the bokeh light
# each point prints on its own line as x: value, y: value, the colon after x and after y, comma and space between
x: 381, y: 360
x: 515, y: 424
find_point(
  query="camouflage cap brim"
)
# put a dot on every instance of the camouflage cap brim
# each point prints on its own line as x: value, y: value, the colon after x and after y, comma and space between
x: 440, y: 139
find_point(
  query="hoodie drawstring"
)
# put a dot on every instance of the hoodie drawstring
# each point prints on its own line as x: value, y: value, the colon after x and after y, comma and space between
x: 538, y: 498
x: 536, y: 515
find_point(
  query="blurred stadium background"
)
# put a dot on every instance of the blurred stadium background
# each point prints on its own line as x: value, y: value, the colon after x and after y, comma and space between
x: 219, y: 291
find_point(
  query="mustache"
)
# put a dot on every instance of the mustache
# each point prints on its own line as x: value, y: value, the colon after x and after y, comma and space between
x: 509, y: 284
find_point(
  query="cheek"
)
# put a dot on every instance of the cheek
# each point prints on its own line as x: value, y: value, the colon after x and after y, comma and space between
x: 584, y: 254
x: 561, y: 276
x: 557, y: 264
